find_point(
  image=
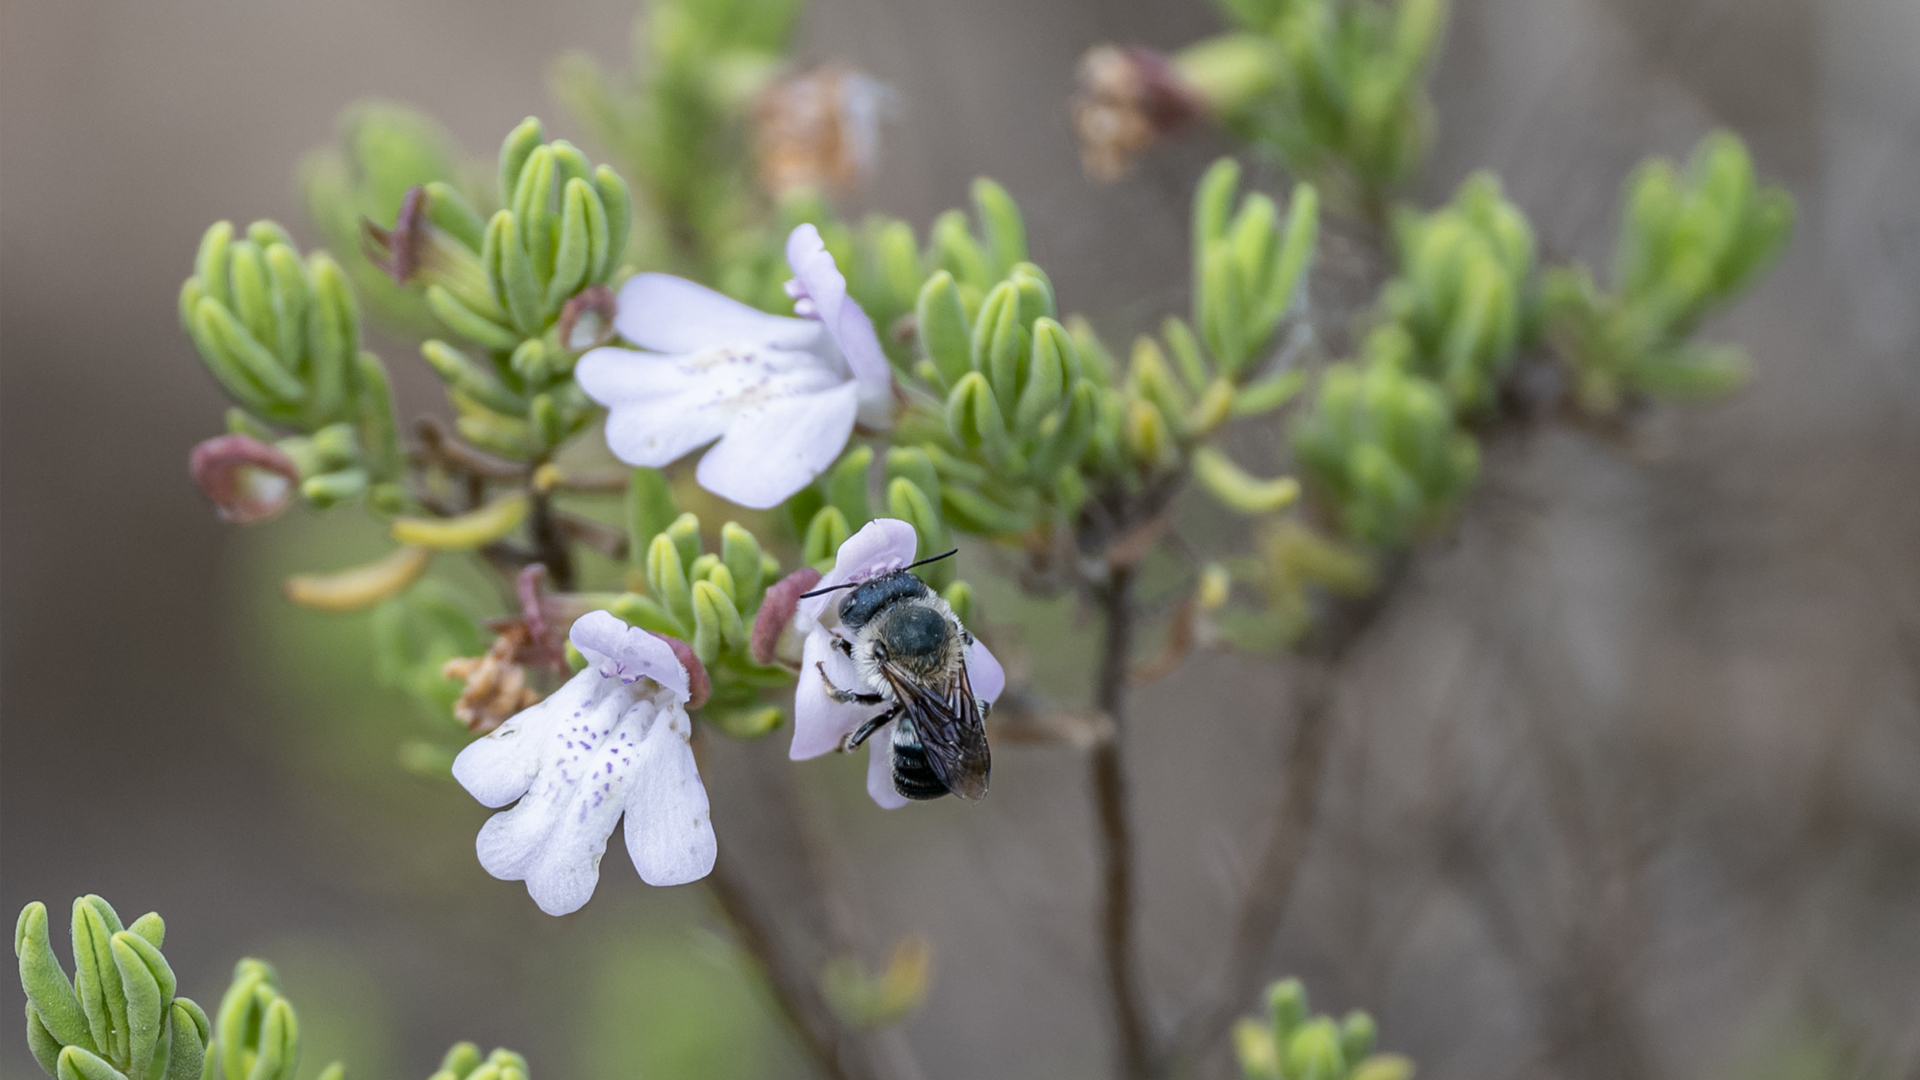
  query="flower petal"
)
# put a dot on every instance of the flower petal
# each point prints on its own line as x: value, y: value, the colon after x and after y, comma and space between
x: 821, y: 724
x: 673, y: 315
x: 627, y: 653
x: 882, y: 545
x: 669, y: 828
x: 822, y: 283
x: 880, y: 770
x: 555, y: 837
x: 499, y: 768
x: 776, y: 448
x: 984, y: 672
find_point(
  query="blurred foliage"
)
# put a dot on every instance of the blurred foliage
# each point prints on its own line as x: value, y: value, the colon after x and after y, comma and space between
x: 1290, y: 1044
x: 1689, y: 245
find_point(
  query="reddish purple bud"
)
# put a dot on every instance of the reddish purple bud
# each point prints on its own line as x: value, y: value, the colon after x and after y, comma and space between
x: 776, y: 612
x: 587, y: 319
x: 544, y: 647
x: 398, y: 252
x: 699, y: 687
x: 247, y: 479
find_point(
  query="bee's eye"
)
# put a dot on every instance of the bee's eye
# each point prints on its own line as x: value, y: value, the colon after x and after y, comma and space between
x: 879, y: 651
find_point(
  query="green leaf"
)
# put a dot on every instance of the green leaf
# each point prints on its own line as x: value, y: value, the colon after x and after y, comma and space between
x: 49, y: 994
x: 945, y: 337
x: 847, y: 484
x: 149, y: 984
x: 825, y: 533
x: 1001, y: 224
x: 667, y: 579
x: 650, y: 511
x: 96, y: 979
x: 77, y: 1064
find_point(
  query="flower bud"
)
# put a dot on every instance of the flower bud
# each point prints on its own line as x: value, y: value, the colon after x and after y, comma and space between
x: 247, y: 480
x: 1128, y: 99
x: 586, y: 320
x: 818, y: 130
x: 775, y: 616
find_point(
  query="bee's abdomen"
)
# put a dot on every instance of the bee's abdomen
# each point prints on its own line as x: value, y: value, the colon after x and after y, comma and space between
x: 913, y: 778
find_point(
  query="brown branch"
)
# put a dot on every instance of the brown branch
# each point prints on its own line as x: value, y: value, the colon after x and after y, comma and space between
x: 597, y: 535
x: 1109, y: 783
x: 1264, y: 903
x: 440, y: 447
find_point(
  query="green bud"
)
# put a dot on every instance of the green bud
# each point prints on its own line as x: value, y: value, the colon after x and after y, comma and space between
x: 960, y: 597
x: 77, y: 1064
x: 685, y: 534
x: 1047, y: 374
x: 252, y: 297
x: 510, y: 274
x: 847, y: 484
x: 945, y: 338
x: 332, y: 489
x: 149, y: 985
x: 955, y: 251
x: 1357, y: 1035
x: 1254, y: 1048
x: 378, y: 436
x: 907, y: 502
x: 667, y: 579
x: 1067, y: 444
x: 825, y: 533
x: 1313, y: 1053
x: 544, y: 419
x: 333, y: 336
x: 976, y: 513
x: 740, y: 551
x: 290, y: 295
x: 618, y: 203
x: 519, y: 145
x: 533, y: 212
x: 648, y: 614
x: 995, y: 348
x: 461, y: 1059
x: 41, y: 1043
x: 240, y: 350
x: 1286, y: 1008
x: 1036, y: 293
x: 1186, y: 353
x: 1149, y: 377
x: 1269, y: 393
x: 450, y: 212
x: 210, y: 264
x: 716, y: 620
x: 49, y: 994
x: 1000, y: 223
x: 461, y: 373
x: 580, y: 248
x: 96, y: 981
x: 190, y: 1032
x: 974, y: 418
x: 916, y: 465
x: 468, y: 323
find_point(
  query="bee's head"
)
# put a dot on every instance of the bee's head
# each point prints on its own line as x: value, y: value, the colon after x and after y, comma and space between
x: 875, y: 595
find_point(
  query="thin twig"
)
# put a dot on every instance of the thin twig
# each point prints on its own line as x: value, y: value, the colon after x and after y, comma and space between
x: 794, y: 987
x: 597, y: 535
x: 1269, y: 891
x: 1116, y: 831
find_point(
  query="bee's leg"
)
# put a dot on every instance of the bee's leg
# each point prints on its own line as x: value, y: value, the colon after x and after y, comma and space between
x: 865, y: 731
x: 846, y: 697
x: 842, y: 643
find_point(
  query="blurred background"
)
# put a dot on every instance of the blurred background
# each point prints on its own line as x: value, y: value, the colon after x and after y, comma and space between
x: 1627, y: 783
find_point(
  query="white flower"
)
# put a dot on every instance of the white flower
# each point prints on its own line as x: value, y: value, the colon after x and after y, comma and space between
x: 821, y: 724
x: 613, y: 740
x: 781, y: 395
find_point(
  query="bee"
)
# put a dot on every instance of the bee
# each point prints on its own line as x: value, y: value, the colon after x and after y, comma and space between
x: 909, y: 646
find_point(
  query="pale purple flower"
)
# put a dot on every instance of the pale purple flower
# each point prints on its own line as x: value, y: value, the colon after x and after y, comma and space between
x: 612, y: 741
x: 780, y: 394
x: 821, y: 724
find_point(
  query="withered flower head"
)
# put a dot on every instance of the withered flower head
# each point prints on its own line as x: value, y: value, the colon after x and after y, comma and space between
x: 1128, y: 98
x: 496, y: 682
x: 818, y: 129
x: 587, y: 320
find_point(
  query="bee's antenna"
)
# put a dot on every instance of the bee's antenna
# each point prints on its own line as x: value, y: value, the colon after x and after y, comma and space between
x: 909, y: 566
x: 933, y: 558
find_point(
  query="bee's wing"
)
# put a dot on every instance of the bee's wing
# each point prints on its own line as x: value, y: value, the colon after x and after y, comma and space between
x: 950, y: 730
